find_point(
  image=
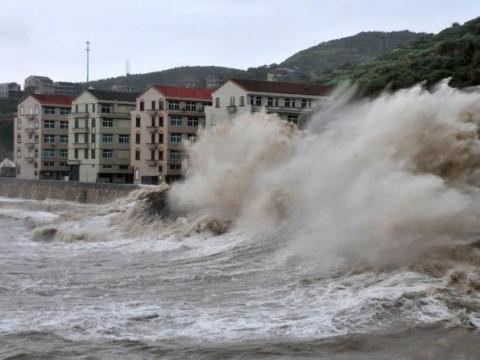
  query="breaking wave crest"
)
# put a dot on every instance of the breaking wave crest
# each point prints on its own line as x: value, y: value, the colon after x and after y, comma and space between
x: 375, y: 180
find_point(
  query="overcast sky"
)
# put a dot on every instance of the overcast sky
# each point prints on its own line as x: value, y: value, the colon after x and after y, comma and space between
x: 47, y: 37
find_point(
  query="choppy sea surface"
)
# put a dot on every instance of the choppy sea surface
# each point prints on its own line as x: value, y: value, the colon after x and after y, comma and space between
x: 197, y: 296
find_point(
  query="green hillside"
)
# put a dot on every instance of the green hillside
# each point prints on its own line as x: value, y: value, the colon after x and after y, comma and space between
x: 348, y: 51
x: 453, y: 52
x: 177, y: 76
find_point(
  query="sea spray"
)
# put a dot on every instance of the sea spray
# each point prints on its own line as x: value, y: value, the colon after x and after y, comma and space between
x: 375, y: 180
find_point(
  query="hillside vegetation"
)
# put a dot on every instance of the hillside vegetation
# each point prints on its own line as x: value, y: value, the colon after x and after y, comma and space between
x: 453, y: 52
x: 347, y: 52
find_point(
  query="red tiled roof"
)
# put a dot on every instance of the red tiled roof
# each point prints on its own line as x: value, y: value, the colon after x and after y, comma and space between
x: 54, y: 99
x: 283, y: 87
x: 184, y: 92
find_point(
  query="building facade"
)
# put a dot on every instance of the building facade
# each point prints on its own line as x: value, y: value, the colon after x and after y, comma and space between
x: 99, y: 131
x: 41, y: 137
x: 10, y: 90
x: 290, y: 101
x: 41, y: 85
x: 166, y: 117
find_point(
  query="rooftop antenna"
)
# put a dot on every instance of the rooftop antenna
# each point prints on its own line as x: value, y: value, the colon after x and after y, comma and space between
x: 127, y: 68
x: 88, y: 60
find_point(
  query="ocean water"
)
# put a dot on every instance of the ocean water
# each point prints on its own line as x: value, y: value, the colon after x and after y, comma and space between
x: 201, y: 296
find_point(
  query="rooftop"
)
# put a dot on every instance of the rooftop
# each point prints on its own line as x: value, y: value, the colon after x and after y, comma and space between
x: 113, y: 95
x: 54, y: 99
x: 184, y: 92
x: 283, y: 87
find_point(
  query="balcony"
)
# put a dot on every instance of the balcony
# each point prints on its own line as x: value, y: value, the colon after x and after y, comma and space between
x: 152, y: 129
x: 152, y: 162
x: 231, y: 108
x: 29, y: 159
x: 30, y: 143
x: 152, y: 146
x: 77, y: 130
x: 186, y: 110
x: 152, y: 111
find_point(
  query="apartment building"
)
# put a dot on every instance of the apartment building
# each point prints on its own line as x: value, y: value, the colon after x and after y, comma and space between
x: 41, y: 137
x: 99, y: 131
x: 290, y: 101
x: 10, y: 90
x: 165, y: 118
x: 35, y: 84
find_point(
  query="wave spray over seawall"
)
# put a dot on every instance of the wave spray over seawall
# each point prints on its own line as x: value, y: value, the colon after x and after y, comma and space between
x: 371, y: 181
x: 355, y: 238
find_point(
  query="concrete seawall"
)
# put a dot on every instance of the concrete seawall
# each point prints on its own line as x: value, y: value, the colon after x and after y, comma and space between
x: 63, y: 190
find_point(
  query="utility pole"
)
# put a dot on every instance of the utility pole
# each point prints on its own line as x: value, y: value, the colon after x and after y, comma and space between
x: 88, y: 60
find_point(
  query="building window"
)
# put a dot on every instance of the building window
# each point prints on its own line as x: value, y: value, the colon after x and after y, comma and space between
x: 193, y: 121
x: 175, y: 155
x: 64, y: 111
x: 137, y: 121
x: 276, y: 102
x: 49, y: 139
x: 160, y: 138
x: 93, y: 154
x: 86, y: 107
x: 160, y: 121
x: 92, y: 138
x: 309, y: 103
x: 76, y: 123
x: 152, y: 138
x: 48, y: 110
x: 175, y: 120
x: 22, y: 110
x: 137, y: 138
x: 160, y: 155
x: 175, y: 166
x: 287, y: 102
x: 270, y: 101
x: 76, y: 153
x: 293, y: 103
x: 190, y: 106
x: 48, y: 163
x: 49, y: 124
x: 124, y: 139
x: 63, y: 153
x: 232, y: 100
x: 93, y: 123
x: 77, y: 141
x: 192, y: 137
x: 48, y: 153
x: 174, y: 104
x: 292, y: 119
x: 36, y: 139
x: 153, y: 121
x: 217, y: 102
x: 76, y: 108
x: 63, y: 124
x: 242, y: 100
x: 19, y: 123
x: 160, y: 104
x: 19, y: 139
x: 107, y: 154
x: 304, y: 103
x: 93, y: 108
x: 106, y: 108
x: 153, y: 105
x: 36, y: 110
x: 63, y: 139
x: 142, y: 105
x: 107, y: 123
x: 85, y: 153
x: 175, y: 138
x: 62, y: 164
x: 137, y: 154
x: 107, y: 166
x: 107, y: 138
x: 19, y: 153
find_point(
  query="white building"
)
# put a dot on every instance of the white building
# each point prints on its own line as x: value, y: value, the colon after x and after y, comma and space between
x: 236, y: 97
